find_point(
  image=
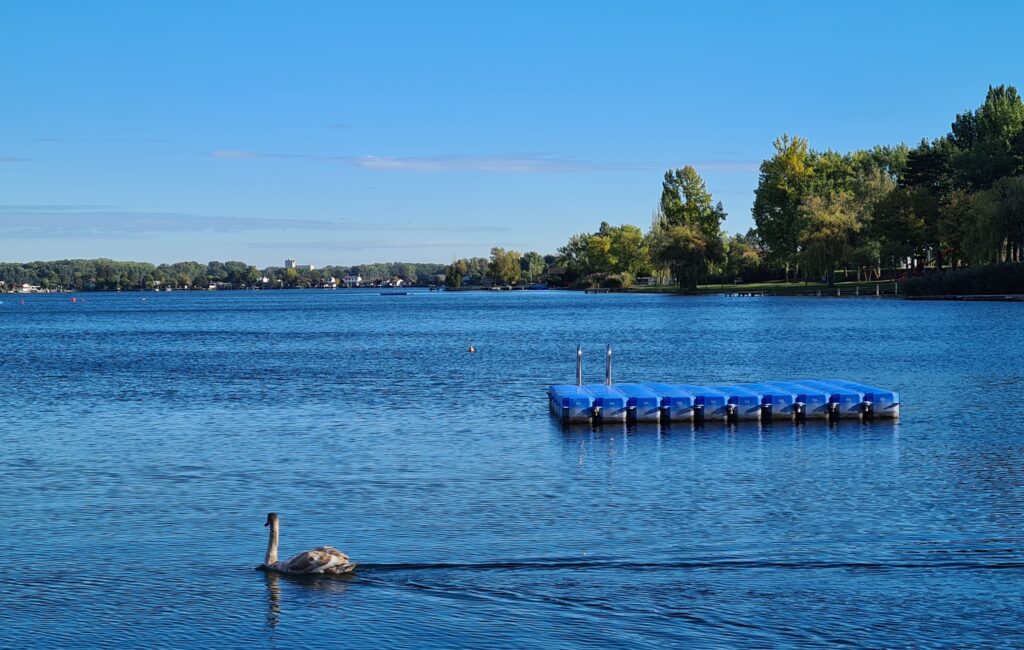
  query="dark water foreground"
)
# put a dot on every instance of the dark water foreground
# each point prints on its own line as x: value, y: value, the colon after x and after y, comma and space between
x: 142, y: 443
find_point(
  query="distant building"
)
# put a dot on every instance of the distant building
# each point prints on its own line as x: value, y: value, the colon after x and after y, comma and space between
x: 352, y: 280
x: 290, y: 264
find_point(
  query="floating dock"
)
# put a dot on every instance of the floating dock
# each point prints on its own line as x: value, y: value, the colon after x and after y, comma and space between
x: 794, y: 399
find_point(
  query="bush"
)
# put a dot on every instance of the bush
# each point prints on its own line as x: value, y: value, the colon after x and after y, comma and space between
x: 618, y: 281
x: 1007, y: 277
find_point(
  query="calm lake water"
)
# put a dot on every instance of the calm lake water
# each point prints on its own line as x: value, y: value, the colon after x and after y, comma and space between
x: 145, y: 437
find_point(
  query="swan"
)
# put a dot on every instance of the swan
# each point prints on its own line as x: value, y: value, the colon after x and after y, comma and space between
x: 321, y: 560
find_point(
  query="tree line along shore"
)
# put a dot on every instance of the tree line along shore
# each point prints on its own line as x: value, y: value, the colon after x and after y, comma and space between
x: 943, y: 217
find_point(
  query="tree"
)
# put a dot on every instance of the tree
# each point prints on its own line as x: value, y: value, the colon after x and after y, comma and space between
x: 532, y: 266
x: 955, y: 219
x: 454, y: 274
x: 987, y: 139
x: 831, y: 223
x: 686, y: 201
x: 504, y: 266
x: 252, y: 276
x: 905, y: 221
x: 1008, y: 192
x: 781, y: 188
x: 744, y: 258
x: 985, y: 234
x: 575, y: 255
x: 686, y: 232
x: 686, y: 251
x: 873, y: 181
x: 291, y: 278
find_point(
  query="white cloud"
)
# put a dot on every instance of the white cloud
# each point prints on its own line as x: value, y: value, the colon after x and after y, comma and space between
x: 516, y: 163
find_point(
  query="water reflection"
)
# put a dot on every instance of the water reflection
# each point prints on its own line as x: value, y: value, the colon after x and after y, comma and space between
x: 334, y: 585
x: 273, y: 599
x: 577, y: 430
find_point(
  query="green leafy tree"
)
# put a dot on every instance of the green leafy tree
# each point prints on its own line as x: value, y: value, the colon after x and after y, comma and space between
x: 504, y: 266
x: 988, y: 138
x: 574, y: 256
x: 781, y: 187
x: 1008, y: 193
x: 687, y: 253
x: 902, y: 222
x: 744, y: 257
x: 455, y: 272
x: 687, y: 219
x: 831, y: 224
x: 532, y: 266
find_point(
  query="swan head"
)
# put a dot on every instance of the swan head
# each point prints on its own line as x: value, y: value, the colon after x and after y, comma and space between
x: 271, y: 518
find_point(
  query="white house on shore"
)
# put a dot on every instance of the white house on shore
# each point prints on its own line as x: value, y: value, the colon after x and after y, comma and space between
x: 352, y: 280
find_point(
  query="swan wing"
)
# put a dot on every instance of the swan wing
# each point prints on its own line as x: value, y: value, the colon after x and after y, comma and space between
x: 323, y: 559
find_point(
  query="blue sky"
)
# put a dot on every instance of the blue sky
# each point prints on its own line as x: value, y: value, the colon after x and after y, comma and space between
x: 351, y: 132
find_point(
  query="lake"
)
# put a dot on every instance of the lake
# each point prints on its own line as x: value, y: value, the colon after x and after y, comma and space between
x: 145, y: 437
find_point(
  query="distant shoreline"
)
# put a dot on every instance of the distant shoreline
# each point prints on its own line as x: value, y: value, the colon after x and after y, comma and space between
x: 738, y: 291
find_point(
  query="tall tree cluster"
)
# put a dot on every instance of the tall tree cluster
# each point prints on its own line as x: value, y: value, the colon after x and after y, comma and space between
x: 684, y: 242
x: 951, y: 201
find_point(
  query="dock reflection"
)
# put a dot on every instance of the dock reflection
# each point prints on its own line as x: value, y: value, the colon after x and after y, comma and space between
x: 883, y: 428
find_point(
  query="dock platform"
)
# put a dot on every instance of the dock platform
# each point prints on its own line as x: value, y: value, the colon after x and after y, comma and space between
x: 796, y: 399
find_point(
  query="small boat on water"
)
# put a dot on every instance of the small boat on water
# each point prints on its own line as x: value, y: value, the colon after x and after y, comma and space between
x: 394, y: 293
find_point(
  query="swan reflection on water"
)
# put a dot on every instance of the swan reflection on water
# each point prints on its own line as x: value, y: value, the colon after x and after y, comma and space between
x: 329, y: 584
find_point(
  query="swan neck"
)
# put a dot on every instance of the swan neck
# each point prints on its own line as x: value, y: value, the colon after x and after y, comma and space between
x: 271, y: 556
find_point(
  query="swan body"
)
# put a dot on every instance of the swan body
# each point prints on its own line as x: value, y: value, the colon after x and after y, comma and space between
x: 324, y: 560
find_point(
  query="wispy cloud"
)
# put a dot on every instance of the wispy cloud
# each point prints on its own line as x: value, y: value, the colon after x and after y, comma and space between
x: 513, y: 163
x: 54, y: 221
x: 12, y: 159
x: 742, y: 166
x: 237, y: 154
x: 505, y: 163
x: 408, y: 226
x: 61, y: 139
x: 85, y: 222
x: 345, y: 126
x: 529, y: 163
x: 360, y: 245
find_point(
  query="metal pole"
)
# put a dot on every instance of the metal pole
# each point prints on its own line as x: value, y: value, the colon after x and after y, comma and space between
x: 608, y: 367
x: 579, y: 365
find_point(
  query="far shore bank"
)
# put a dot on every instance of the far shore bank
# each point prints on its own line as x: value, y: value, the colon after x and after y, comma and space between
x: 848, y: 290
